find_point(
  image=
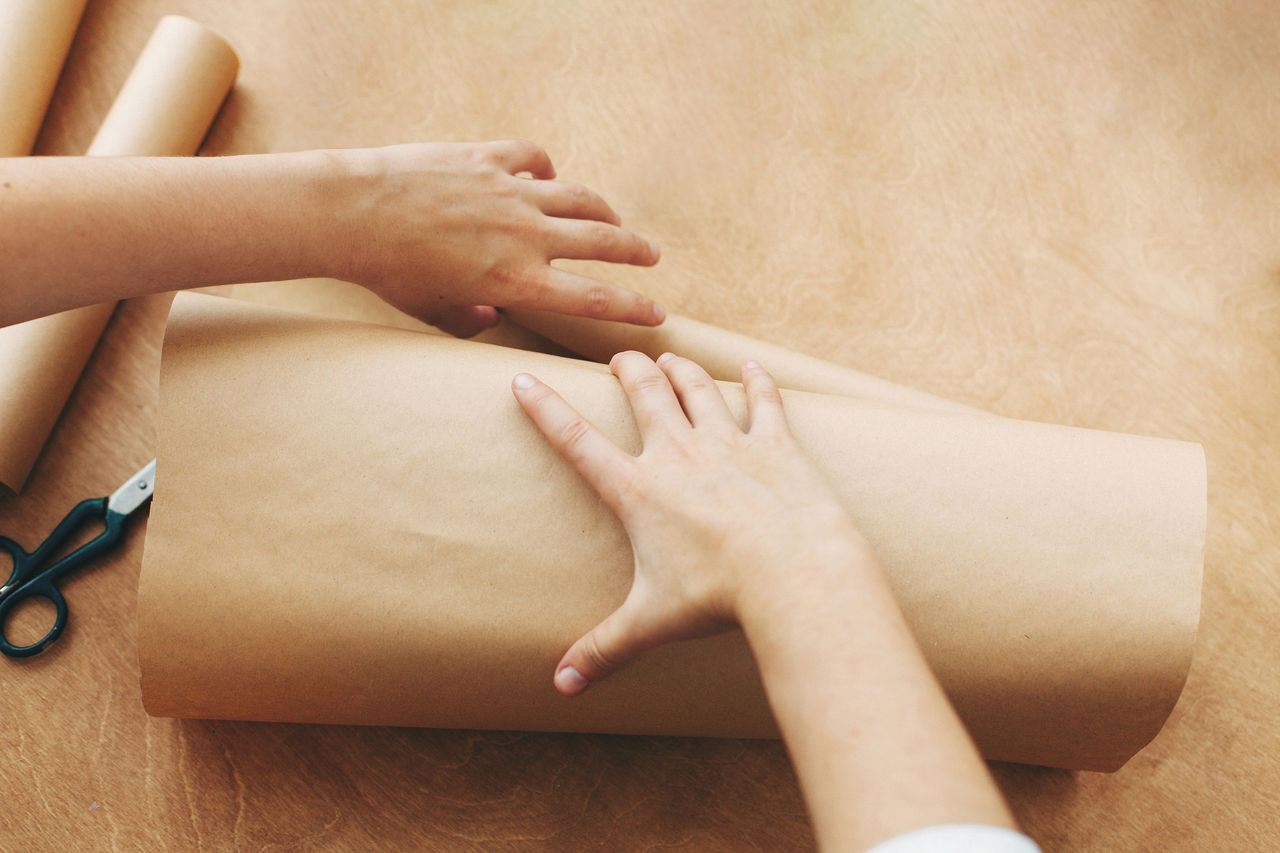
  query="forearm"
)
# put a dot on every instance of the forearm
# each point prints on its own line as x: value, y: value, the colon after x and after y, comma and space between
x: 876, y: 745
x: 79, y: 231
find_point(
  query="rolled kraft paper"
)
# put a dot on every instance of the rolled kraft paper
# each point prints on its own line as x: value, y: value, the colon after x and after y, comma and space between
x: 357, y: 524
x: 722, y: 353
x: 35, y: 36
x: 165, y: 108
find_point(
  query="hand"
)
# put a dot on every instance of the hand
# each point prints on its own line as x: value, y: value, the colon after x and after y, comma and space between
x: 715, y: 514
x: 445, y: 232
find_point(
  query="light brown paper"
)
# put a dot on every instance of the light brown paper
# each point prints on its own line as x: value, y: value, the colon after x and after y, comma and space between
x: 722, y: 353
x: 35, y: 36
x: 357, y: 524
x: 165, y: 108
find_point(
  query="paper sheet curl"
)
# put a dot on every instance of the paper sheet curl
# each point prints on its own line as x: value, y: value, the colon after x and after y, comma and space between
x: 356, y: 524
x: 722, y: 353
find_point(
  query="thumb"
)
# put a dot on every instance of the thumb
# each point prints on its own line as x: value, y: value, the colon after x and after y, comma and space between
x: 606, y: 648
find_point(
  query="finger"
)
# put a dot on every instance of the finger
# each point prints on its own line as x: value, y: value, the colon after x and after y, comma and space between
x: 463, y: 321
x: 698, y: 393
x: 570, y: 293
x: 652, y: 399
x: 600, y: 462
x: 764, y: 404
x: 604, y: 649
x: 519, y: 155
x: 571, y: 201
x: 600, y: 241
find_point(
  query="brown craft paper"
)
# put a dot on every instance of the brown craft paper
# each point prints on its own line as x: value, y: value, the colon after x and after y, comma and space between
x: 357, y: 524
x: 165, y: 108
x: 722, y: 353
x: 35, y: 36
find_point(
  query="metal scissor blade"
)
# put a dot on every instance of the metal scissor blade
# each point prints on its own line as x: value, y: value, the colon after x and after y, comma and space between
x: 135, y: 492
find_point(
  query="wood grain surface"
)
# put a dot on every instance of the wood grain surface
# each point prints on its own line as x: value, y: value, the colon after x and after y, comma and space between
x: 1053, y: 210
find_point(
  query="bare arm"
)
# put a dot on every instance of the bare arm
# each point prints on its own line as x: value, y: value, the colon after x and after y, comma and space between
x: 442, y: 231
x: 738, y: 527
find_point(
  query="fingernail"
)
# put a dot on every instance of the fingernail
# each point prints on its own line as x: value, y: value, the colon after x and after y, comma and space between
x: 659, y: 313
x: 570, y: 682
x: 751, y: 365
x: 665, y: 357
x: 524, y: 381
x: 653, y: 250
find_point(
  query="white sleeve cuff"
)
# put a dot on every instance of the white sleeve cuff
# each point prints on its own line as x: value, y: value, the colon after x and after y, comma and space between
x: 958, y: 838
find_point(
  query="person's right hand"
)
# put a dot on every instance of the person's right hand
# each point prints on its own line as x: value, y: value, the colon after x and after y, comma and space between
x: 447, y: 231
x: 731, y: 525
x: 715, y: 514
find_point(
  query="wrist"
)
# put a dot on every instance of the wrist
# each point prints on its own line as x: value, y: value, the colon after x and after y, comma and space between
x: 829, y: 569
x: 338, y: 181
x: 331, y: 209
x: 273, y: 216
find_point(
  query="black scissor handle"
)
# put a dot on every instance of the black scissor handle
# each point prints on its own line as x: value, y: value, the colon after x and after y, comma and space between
x: 38, y: 587
x: 19, y: 557
x: 42, y: 583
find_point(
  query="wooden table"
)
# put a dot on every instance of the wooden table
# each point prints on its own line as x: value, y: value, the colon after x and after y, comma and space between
x: 1057, y: 211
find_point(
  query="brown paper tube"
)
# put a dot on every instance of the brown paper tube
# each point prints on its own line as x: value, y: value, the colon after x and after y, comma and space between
x: 165, y: 108
x: 722, y: 353
x: 357, y: 524
x: 35, y: 36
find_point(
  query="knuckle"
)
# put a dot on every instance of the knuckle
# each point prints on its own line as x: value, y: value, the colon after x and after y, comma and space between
x: 603, y: 236
x: 573, y: 434
x: 596, y: 657
x: 509, y: 278
x: 522, y: 221
x: 480, y: 153
x: 507, y: 191
x: 532, y: 152
x: 649, y: 382
x: 597, y: 300
x: 519, y: 281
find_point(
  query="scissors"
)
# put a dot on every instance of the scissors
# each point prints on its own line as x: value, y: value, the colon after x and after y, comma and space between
x: 31, y: 578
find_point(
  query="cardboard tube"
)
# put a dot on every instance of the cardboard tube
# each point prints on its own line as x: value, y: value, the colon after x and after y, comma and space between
x: 164, y: 109
x: 357, y: 524
x: 722, y: 353
x: 35, y: 36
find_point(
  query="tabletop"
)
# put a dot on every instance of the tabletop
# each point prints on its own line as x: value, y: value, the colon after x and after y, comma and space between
x: 1051, y: 210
